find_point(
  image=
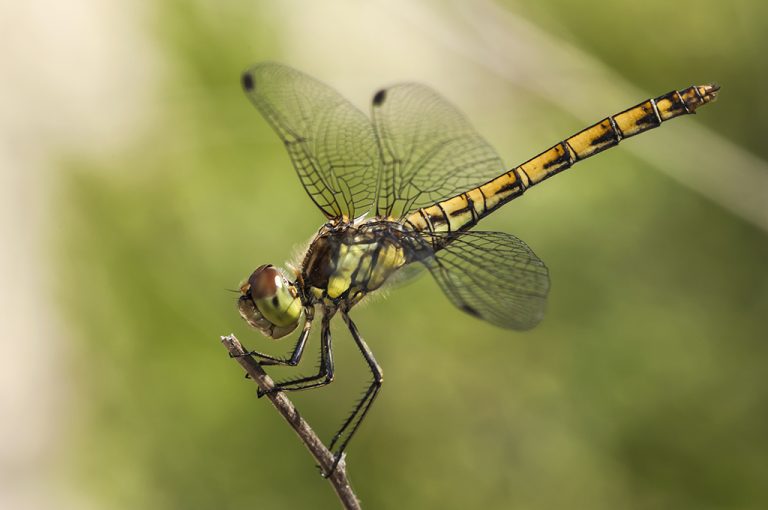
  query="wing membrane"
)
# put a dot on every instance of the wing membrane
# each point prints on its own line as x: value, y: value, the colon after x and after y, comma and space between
x: 429, y: 150
x: 331, y: 143
x: 491, y: 275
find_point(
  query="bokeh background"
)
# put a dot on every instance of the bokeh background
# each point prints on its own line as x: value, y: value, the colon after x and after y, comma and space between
x: 138, y: 184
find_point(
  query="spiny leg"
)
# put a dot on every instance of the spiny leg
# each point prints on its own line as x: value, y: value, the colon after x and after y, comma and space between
x: 298, y: 350
x: 361, y: 409
x: 325, y: 373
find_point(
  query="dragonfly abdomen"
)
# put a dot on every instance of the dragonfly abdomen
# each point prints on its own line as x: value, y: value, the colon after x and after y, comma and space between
x: 463, y: 211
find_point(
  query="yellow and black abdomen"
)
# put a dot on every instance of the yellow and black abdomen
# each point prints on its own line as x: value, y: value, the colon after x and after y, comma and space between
x: 465, y: 210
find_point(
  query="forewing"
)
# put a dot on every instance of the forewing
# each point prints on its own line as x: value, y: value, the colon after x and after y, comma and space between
x: 491, y: 275
x: 331, y: 143
x: 428, y: 148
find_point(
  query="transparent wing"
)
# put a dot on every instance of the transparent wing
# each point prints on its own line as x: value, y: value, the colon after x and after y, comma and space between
x: 491, y: 275
x: 428, y: 148
x: 331, y: 143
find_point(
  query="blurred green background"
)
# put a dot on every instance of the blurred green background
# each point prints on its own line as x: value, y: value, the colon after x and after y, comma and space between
x: 644, y: 387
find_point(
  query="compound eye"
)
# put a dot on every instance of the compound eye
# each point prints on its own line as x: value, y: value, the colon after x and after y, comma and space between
x: 274, y: 296
x: 264, y: 282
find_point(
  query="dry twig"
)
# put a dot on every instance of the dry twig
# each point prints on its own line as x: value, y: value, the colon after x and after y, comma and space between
x: 323, y: 456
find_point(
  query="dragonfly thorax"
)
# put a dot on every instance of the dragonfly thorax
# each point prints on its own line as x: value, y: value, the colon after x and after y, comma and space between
x: 345, y: 261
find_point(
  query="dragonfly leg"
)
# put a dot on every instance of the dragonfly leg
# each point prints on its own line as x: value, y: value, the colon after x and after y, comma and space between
x: 298, y: 350
x: 325, y: 373
x: 357, y: 415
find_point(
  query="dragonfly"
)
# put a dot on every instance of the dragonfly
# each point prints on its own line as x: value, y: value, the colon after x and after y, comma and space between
x: 402, y: 189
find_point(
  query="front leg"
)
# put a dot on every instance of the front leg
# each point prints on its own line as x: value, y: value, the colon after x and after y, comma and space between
x: 324, y: 375
x: 298, y: 350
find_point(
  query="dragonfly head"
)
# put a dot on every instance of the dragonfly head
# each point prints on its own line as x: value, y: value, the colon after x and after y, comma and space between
x: 269, y: 302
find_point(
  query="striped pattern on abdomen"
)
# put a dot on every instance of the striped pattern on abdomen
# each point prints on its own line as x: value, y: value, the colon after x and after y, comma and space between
x: 464, y: 210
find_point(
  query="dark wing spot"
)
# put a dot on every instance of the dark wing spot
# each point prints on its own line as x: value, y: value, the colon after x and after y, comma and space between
x: 470, y: 310
x: 247, y: 81
x: 379, y: 97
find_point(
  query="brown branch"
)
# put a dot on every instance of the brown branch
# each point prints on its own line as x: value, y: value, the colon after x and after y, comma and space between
x: 323, y: 456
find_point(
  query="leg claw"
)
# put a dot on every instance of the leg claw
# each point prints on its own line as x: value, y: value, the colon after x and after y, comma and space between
x: 260, y: 393
x: 336, y: 459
